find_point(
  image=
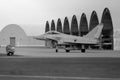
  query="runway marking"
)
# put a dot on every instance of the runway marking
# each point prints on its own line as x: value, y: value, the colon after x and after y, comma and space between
x: 55, y: 77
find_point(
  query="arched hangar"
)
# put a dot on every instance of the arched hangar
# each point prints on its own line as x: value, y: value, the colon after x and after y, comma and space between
x: 13, y: 34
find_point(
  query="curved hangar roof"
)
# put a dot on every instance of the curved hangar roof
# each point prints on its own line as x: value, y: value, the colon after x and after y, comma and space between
x: 13, y: 30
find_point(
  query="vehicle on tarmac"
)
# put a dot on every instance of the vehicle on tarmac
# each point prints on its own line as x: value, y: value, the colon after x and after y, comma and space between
x: 59, y: 39
x: 10, y: 50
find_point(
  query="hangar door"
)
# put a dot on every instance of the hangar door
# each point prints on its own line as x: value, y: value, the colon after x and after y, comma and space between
x: 12, y: 41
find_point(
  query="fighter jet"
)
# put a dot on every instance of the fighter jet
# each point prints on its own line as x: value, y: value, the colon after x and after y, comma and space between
x: 92, y: 38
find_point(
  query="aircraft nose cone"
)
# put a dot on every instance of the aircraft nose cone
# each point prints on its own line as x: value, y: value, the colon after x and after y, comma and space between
x: 39, y: 37
x: 42, y: 37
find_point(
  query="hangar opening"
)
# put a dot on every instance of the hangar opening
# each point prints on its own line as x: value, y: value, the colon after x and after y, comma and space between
x: 66, y: 28
x: 107, y: 33
x: 93, y: 20
x: 59, y: 25
x: 47, y: 27
x: 83, y: 27
x: 13, y: 41
x: 52, y: 25
x: 74, y: 26
x: 93, y: 23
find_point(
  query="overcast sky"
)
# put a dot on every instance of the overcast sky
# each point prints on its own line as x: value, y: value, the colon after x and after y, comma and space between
x: 33, y: 14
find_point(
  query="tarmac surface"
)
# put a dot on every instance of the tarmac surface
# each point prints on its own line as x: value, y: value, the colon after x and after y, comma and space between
x: 49, y: 52
x: 45, y: 64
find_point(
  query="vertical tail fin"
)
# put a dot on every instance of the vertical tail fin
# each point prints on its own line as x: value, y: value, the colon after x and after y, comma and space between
x: 96, y: 32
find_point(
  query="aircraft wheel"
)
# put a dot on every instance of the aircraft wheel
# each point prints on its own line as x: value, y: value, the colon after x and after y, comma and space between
x: 67, y: 50
x: 8, y: 54
x: 12, y: 53
x: 83, y: 50
x: 56, y: 50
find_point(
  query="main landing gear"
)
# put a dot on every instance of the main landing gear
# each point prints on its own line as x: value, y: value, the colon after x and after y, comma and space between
x: 83, y: 49
x: 56, y: 50
x: 67, y: 49
x: 56, y: 46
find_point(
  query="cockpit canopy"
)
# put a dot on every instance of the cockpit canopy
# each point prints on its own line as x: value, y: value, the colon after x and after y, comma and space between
x: 52, y: 32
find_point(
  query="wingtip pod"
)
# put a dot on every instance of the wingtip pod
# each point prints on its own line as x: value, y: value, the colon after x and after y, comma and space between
x: 101, y: 24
